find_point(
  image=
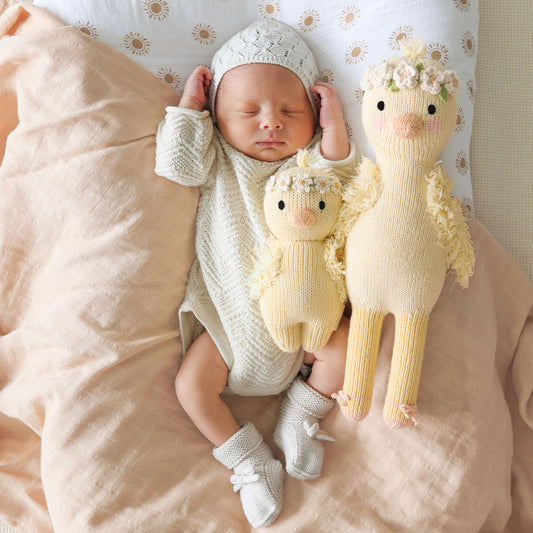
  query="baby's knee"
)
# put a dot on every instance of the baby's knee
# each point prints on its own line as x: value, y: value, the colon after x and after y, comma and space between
x: 202, y: 372
x: 335, y: 348
x: 186, y: 384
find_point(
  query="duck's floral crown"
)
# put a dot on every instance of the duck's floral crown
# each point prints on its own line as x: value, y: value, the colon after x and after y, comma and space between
x: 304, y: 178
x: 410, y: 73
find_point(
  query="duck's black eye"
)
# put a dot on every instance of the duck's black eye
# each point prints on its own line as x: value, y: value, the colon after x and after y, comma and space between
x: 381, y: 105
x: 281, y: 204
x: 322, y: 204
x: 432, y: 109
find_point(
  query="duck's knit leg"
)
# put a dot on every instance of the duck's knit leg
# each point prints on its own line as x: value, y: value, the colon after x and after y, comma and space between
x: 257, y: 475
x: 363, y: 347
x: 288, y: 338
x: 406, y: 367
x: 297, y: 432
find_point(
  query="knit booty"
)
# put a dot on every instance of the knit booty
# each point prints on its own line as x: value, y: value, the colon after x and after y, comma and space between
x: 297, y: 432
x: 257, y: 475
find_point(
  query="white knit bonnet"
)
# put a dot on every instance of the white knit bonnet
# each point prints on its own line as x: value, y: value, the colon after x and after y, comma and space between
x: 265, y: 41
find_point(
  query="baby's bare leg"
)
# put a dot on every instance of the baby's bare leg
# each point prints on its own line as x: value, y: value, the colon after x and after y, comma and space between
x: 200, y: 381
x: 327, y: 375
x: 257, y: 474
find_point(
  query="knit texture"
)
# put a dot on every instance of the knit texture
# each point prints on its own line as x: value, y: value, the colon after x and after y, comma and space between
x: 299, y: 297
x: 258, y: 477
x: 363, y: 346
x: 401, y: 238
x: 265, y: 41
x: 230, y: 231
x: 298, y: 433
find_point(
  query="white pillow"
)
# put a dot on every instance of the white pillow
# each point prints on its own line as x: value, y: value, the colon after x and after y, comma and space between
x: 171, y: 37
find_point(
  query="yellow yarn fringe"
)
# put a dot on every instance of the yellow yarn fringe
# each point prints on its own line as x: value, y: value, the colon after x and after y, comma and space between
x: 306, y: 158
x: 266, y: 268
x: 359, y: 196
x: 453, y: 236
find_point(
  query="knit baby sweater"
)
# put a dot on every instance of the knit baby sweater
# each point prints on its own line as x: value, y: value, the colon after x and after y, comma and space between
x: 230, y: 231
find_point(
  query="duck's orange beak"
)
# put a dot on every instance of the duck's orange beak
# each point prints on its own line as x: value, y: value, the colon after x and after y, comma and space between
x: 301, y: 217
x: 407, y: 125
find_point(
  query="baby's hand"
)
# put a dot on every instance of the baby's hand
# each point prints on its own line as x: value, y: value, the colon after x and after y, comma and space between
x: 331, y: 112
x: 334, y: 144
x: 196, y: 89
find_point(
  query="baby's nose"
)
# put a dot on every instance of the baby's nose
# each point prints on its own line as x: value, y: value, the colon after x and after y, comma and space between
x: 301, y: 217
x: 407, y: 125
x: 271, y: 121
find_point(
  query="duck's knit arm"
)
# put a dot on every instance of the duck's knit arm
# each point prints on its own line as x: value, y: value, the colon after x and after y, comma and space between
x: 185, y: 149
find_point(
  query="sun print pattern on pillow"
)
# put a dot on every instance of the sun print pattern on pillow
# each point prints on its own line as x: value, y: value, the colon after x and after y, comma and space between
x: 398, y: 35
x: 309, y: 20
x: 204, y: 34
x: 170, y: 38
x: 136, y: 43
x: 356, y: 52
x: 268, y: 9
x: 170, y: 77
x: 86, y: 27
x: 349, y: 17
x: 439, y: 52
x: 156, y: 9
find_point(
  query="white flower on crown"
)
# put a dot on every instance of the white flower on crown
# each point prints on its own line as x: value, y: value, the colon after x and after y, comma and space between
x: 303, y: 183
x: 431, y: 80
x: 278, y: 183
x: 410, y: 73
x: 405, y: 76
x: 377, y: 76
x: 451, y: 82
x: 323, y: 184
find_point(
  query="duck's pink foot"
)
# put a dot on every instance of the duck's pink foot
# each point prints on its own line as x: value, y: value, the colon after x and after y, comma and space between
x: 352, y: 407
x: 400, y: 416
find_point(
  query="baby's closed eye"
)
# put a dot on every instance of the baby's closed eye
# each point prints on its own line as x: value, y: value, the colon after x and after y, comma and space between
x: 293, y: 110
x: 247, y: 110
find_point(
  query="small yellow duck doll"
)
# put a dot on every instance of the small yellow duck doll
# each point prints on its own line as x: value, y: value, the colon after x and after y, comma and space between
x: 401, y: 227
x: 301, y: 292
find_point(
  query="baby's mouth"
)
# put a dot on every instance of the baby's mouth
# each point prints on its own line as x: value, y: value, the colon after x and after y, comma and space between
x: 270, y: 143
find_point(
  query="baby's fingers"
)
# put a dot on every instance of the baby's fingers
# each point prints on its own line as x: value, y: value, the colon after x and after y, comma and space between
x: 330, y: 103
x: 324, y: 89
x: 196, y: 89
x: 202, y: 75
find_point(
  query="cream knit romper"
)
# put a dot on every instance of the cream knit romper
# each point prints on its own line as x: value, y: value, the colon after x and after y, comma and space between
x: 230, y: 230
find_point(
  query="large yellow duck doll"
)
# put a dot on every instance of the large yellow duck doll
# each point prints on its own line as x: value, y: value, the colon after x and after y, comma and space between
x: 402, y: 228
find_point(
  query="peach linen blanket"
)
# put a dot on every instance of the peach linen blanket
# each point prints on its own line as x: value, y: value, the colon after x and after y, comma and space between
x: 94, y: 255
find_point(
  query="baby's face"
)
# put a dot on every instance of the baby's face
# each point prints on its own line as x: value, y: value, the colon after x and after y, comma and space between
x: 263, y: 111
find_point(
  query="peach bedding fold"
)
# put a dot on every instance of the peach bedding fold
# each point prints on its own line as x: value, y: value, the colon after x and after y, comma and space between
x: 94, y: 255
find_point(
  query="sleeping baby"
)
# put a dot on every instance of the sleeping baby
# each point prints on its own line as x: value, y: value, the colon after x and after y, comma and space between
x: 262, y: 93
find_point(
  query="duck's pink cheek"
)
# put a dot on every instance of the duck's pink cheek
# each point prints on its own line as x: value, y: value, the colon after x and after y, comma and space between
x: 433, y: 126
x: 378, y: 122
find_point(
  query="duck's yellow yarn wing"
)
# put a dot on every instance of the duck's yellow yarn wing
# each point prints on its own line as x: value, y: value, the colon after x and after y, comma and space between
x: 266, y: 268
x: 452, y: 231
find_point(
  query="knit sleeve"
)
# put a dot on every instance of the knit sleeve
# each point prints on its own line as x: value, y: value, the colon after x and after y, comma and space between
x: 344, y: 169
x: 185, y: 146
